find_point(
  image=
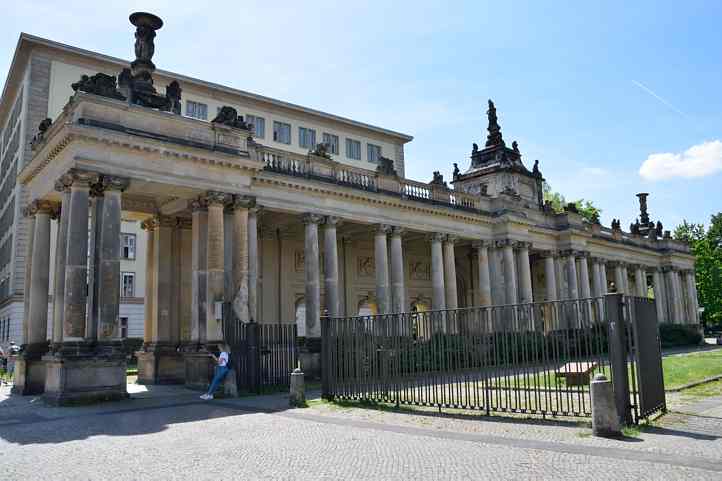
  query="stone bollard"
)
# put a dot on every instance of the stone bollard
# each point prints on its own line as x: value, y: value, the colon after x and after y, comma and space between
x: 605, y: 421
x: 297, y: 396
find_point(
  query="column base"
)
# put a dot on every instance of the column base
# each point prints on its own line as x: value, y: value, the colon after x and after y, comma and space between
x: 160, y: 364
x: 30, y: 370
x: 309, y: 355
x: 198, y: 367
x: 77, y: 373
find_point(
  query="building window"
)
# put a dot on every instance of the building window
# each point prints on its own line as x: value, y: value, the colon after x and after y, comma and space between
x: 128, y: 287
x: 332, y: 142
x: 374, y: 153
x: 128, y: 246
x: 306, y: 138
x: 196, y: 110
x: 124, y: 328
x: 353, y: 149
x: 282, y: 132
x: 259, y: 125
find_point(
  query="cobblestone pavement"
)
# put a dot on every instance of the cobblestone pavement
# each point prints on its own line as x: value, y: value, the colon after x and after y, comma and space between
x: 182, y: 438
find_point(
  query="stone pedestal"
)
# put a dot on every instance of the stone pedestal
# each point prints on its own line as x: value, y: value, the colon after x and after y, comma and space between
x: 160, y: 364
x: 198, y: 369
x: 80, y: 376
x: 30, y: 370
x: 309, y: 355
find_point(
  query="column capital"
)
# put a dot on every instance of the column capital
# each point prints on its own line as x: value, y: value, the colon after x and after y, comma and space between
x: 150, y: 224
x: 41, y: 206
x: 384, y: 229
x: 549, y: 253
x: 501, y: 243
x: 451, y: 239
x: 615, y: 264
x: 216, y: 198
x: 240, y: 202
x: 436, y: 237
x: 666, y: 269
x: 636, y: 266
x: 114, y: 182
x: 198, y: 205
x: 63, y: 183
x: 81, y: 178
x: 331, y: 221
x: 598, y: 260
x: 397, y: 231
x: 311, y: 218
x: 482, y: 244
x: 582, y: 254
x: 523, y: 245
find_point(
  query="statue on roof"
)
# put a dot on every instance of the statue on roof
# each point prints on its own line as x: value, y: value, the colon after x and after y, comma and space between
x: 474, y: 148
x: 456, y: 171
x: 494, y: 137
x: 535, y: 170
x: 515, y: 146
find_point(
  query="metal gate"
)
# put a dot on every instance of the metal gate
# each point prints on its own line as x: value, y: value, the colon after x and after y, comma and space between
x: 530, y: 358
x: 647, y: 354
x: 262, y: 355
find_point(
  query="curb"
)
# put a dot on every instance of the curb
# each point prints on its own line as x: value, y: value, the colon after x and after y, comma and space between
x: 696, y: 383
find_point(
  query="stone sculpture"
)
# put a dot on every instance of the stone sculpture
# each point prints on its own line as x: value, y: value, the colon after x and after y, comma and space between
x: 98, y: 84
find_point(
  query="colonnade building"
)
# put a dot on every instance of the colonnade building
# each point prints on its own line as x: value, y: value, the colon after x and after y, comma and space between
x: 287, y: 212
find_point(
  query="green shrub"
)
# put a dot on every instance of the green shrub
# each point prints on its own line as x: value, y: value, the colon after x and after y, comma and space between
x: 673, y: 335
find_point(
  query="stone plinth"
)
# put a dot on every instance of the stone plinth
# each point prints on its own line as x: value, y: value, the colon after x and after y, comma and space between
x: 160, y: 364
x: 83, y: 378
x: 198, y: 369
x: 309, y: 355
x: 30, y: 370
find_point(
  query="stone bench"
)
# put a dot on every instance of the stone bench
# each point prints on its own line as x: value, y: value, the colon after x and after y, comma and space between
x: 576, y: 373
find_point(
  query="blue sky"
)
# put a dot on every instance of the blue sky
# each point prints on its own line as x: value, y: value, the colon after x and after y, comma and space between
x: 594, y: 90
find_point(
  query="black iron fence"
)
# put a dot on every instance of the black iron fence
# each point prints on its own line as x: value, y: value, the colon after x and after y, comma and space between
x: 529, y: 358
x: 262, y: 355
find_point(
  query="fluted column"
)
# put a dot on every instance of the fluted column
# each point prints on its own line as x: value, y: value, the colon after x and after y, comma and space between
x: 585, y: 290
x: 507, y: 247
x: 30, y: 215
x: 619, y: 283
x: 550, y: 278
x: 625, y: 278
x: 678, y: 302
x: 215, y: 262
x: 484, y: 282
x: 660, y: 296
x: 381, y: 258
x: 254, y: 264
x: 571, y: 271
x: 60, y: 254
x: 40, y: 272
x: 599, y: 284
x: 398, y: 288
x: 149, y: 226
x: 312, y: 273
x: 76, y: 269
x: 640, y: 280
x: 330, y: 259
x: 692, y: 302
x: 438, y: 294
x: 241, y: 257
x: 109, y: 259
x: 199, y: 260
x: 525, y: 283
x: 452, y: 296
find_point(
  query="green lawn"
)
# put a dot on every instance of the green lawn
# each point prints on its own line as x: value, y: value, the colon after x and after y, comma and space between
x: 684, y: 369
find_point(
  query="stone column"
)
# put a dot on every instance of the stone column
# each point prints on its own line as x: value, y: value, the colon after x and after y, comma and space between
x: 675, y: 295
x: 253, y: 263
x: 109, y: 257
x: 482, y: 249
x: 660, y: 300
x: 312, y: 274
x: 525, y: 283
x: 398, y: 287
x: 585, y: 291
x: 598, y: 288
x: 76, y: 270
x: 241, y: 245
x: 625, y: 278
x: 215, y: 263
x: 40, y: 277
x: 571, y: 268
x: 438, y: 294
x: 30, y: 215
x: 452, y: 295
x: 60, y: 254
x: 509, y: 271
x: 692, y: 302
x: 619, y: 277
x: 94, y: 233
x: 550, y: 280
x: 640, y: 280
x: 149, y: 226
x: 330, y: 250
x: 381, y: 258
x: 604, y: 285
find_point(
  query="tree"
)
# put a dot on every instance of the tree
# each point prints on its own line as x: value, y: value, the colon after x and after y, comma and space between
x: 586, y: 208
x: 706, y: 245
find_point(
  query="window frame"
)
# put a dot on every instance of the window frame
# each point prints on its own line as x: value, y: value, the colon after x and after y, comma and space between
x: 303, y: 133
x: 123, y: 276
x: 123, y: 329
x: 349, y: 142
x: 195, y: 114
x: 123, y: 237
x: 369, y: 148
x: 326, y: 136
x: 277, y: 124
x: 254, y: 122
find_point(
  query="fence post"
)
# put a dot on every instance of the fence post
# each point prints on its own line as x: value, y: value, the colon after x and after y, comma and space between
x: 254, y: 361
x: 325, y: 361
x: 618, y: 355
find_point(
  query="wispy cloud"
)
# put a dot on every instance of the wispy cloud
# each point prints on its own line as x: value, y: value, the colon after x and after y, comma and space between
x: 697, y: 161
x: 653, y: 94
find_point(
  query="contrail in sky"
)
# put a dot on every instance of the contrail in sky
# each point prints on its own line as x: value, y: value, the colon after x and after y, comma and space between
x: 650, y: 92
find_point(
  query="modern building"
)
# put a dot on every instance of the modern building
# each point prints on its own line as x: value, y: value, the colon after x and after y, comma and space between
x: 285, y: 211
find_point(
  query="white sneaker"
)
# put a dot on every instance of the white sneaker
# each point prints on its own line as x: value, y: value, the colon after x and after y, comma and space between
x: 204, y: 397
x: 209, y: 396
